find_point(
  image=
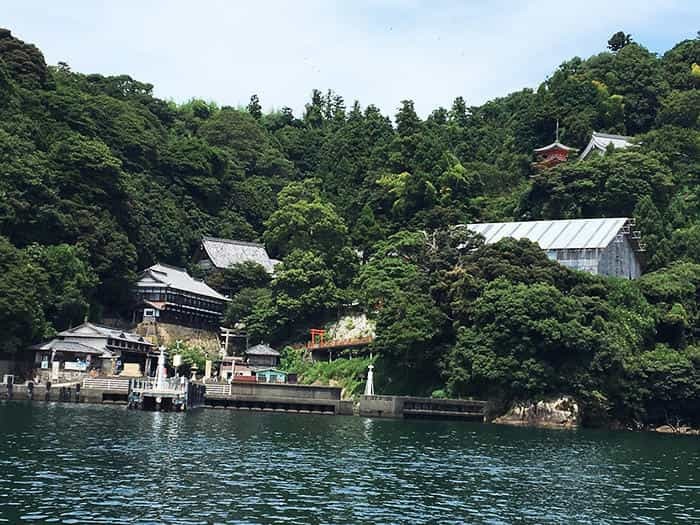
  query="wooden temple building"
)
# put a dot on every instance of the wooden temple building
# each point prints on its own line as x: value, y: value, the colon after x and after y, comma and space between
x: 92, y: 348
x: 556, y: 152
x: 168, y: 294
x: 552, y: 154
x: 601, y: 142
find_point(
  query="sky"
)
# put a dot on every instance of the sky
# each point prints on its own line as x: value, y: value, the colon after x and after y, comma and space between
x: 376, y: 51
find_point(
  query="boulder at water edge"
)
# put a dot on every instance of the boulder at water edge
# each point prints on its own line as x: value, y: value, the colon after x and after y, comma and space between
x: 562, y: 412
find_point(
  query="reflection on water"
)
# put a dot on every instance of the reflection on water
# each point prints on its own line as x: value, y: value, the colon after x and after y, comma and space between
x: 95, y: 464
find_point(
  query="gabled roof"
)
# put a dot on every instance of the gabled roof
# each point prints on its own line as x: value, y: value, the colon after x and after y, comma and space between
x: 70, y: 346
x: 258, y: 370
x: 92, y: 330
x: 224, y: 253
x: 555, y: 235
x: 176, y: 278
x: 262, y: 349
x: 554, y: 145
x: 601, y: 141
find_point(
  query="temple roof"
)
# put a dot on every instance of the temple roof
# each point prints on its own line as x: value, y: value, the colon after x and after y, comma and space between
x: 59, y: 345
x: 555, y: 235
x: 164, y: 275
x: 227, y: 252
x: 601, y: 141
x: 552, y: 146
x: 92, y: 330
x: 262, y: 349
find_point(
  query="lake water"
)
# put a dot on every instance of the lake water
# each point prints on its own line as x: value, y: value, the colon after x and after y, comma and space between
x: 63, y: 463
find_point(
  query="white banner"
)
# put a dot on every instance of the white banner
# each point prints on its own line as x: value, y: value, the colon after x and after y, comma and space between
x: 77, y: 366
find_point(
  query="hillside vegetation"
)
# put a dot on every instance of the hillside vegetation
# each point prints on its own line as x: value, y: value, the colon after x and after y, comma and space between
x: 98, y: 179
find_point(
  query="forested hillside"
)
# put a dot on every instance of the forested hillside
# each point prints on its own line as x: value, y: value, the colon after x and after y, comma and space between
x: 99, y: 179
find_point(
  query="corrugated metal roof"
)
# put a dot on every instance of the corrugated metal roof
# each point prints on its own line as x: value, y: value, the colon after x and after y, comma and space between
x: 179, y: 279
x: 555, y: 235
x: 224, y: 253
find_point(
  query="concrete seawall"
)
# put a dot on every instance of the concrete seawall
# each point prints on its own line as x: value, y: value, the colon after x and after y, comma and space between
x: 241, y: 396
x: 277, y: 398
x: 422, y: 407
x: 280, y: 398
x: 67, y: 394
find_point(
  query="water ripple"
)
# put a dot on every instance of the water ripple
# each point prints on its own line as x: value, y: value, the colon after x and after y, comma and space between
x: 105, y: 465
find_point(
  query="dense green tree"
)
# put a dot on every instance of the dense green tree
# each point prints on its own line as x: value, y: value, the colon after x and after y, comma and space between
x: 24, y: 61
x: 619, y: 40
x: 609, y: 186
x: 254, y: 107
x: 525, y: 341
x: 305, y: 221
x: 70, y: 283
x: 235, y: 278
x: 22, y: 288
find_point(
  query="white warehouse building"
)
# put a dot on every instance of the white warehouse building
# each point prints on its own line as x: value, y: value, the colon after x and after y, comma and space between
x: 598, y: 246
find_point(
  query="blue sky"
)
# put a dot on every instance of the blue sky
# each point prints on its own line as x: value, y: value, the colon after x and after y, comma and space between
x: 379, y: 52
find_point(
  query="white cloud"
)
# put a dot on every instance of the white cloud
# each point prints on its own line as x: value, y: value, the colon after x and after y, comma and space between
x: 379, y: 52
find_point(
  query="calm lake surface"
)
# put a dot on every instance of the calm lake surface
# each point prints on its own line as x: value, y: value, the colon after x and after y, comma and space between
x: 63, y: 463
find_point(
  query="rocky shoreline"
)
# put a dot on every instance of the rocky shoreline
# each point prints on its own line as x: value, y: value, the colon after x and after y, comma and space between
x: 564, y: 413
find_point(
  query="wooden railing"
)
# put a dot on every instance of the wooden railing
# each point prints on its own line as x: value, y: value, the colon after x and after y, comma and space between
x: 218, y: 388
x: 339, y: 343
x: 99, y: 383
x: 171, y: 385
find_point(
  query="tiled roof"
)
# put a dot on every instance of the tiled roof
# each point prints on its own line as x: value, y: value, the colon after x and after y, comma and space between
x: 224, y: 253
x: 601, y: 141
x: 262, y: 349
x: 176, y: 278
x: 91, y: 330
x: 554, y: 145
x: 555, y: 235
x: 69, y: 346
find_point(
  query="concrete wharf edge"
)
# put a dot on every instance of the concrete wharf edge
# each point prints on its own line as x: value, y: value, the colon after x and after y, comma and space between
x: 288, y: 398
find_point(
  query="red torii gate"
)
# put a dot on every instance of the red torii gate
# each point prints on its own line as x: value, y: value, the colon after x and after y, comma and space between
x: 317, y: 333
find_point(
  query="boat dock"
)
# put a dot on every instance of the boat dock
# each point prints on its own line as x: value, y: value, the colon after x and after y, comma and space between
x: 167, y: 394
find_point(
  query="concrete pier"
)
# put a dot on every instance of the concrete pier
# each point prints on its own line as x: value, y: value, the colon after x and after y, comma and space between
x: 265, y: 397
x: 422, y: 407
x: 278, y: 398
x: 167, y: 394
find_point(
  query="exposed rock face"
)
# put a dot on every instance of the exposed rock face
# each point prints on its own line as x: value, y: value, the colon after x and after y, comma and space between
x: 165, y: 334
x: 351, y: 327
x: 562, y: 412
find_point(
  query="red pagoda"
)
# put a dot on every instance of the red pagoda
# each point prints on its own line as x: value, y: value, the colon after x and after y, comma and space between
x: 552, y: 154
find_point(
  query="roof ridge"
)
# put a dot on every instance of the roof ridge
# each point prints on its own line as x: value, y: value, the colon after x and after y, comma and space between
x: 166, y: 265
x: 611, y: 135
x: 555, y: 144
x: 554, y: 220
x: 233, y: 241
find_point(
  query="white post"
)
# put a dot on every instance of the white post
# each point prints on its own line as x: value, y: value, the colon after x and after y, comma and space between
x: 54, y: 369
x: 369, y: 387
x: 160, y: 373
